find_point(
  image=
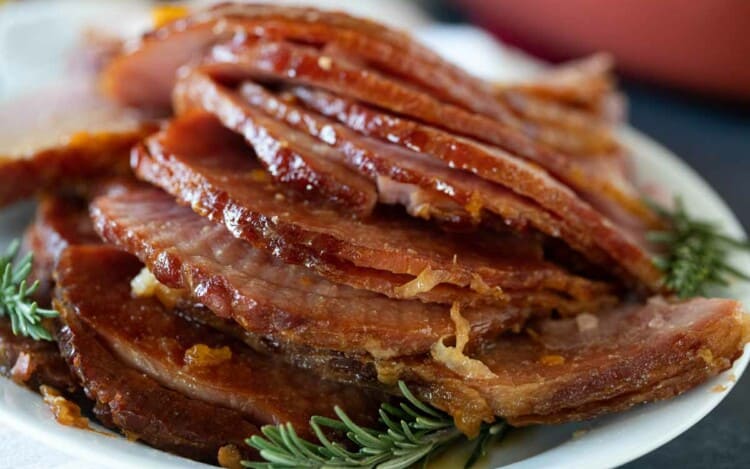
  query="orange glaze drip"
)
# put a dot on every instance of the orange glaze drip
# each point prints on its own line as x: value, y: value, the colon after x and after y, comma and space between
x: 201, y: 355
x: 66, y: 413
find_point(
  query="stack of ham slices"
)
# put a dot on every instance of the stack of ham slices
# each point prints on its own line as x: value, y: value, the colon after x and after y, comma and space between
x: 327, y: 207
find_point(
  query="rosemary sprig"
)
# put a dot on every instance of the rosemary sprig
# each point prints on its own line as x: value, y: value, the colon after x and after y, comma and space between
x: 25, y: 316
x: 412, y: 432
x: 695, y: 253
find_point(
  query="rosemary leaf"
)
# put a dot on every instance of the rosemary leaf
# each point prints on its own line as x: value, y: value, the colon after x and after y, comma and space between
x: 15, y: 302
x: 411, y: 434
x: 695, y: 252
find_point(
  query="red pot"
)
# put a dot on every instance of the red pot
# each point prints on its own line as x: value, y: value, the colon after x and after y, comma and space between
x: 700, y: 45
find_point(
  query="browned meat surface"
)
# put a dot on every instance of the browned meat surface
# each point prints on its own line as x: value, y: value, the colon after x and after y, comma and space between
x: 268, y: 297
x: 33, y: 363
x: 207, y: 167
x: 196, y: 361
x: 63, y: 137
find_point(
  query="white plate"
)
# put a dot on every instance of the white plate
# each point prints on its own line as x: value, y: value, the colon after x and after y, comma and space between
x: 607, y: 442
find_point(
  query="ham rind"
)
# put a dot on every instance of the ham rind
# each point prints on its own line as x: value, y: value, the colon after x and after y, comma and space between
x: 205, y: 166
x: 63, y: 136
x: 594, y: 233
x: 574, y: 369
x: 268, y: 297
x: 147, y: 337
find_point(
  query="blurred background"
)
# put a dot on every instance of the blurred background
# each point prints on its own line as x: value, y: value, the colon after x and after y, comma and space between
x: 684, y: 66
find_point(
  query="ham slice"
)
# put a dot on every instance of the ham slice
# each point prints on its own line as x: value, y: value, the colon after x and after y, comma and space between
x: 268, y: 297
x: 137, y: 405
x: 205, y: 166
x: 595, y: 178
x: 382, y: 67
x: 571, y: 369
x: 358, y: 60
x: 193, y: 360
x: 338, y: 35
x: 291, y: 157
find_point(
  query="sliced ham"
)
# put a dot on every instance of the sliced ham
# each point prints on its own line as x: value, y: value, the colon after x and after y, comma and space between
x: 557, y: 370
x: 570, y: 369
x: 384, y: 163
x: 191, y: 359
x: 290, y: 157
x: 205, y: 166
x: 139, y: 406
x: 338, y: 35
x: 595, y: 232
x: 268, y: 297
x: 403, y: 73
x: 596, y: 178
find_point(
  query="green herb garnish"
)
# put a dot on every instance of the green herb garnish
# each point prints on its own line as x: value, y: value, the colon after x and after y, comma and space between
x: 25, y: 316
x: 696, y: 253
x: 412, y: 433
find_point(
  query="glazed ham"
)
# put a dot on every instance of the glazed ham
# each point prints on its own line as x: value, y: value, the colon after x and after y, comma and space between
x: 193, y: 360
x: 574, y: 369
x: 562, y: 213
x: 207, y: 167
x: 328, y: 209
x: 340, y: 35
x: 271, y: 298
x: 128, y: 400
x: 354, y: 59
x: 557, y: 370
